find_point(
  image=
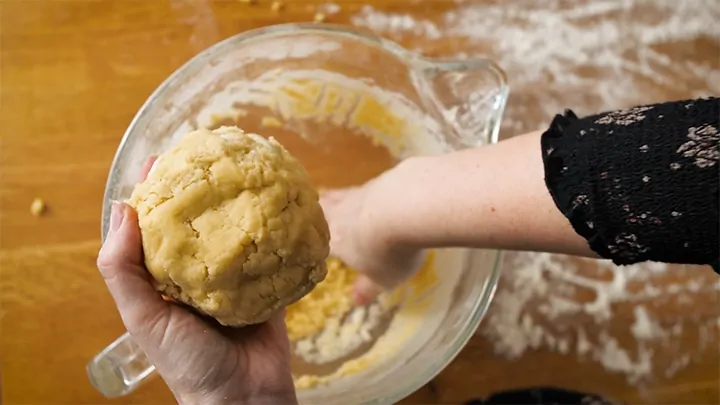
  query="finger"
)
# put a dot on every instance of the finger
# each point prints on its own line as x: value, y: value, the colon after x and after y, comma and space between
x: 121, y: 264
x: 163, y: 330
x: 147, y: 167
x: 365, y: 290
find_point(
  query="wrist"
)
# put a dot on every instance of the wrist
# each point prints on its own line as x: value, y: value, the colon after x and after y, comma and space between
x: 403, y: 204
x: 442, y: 201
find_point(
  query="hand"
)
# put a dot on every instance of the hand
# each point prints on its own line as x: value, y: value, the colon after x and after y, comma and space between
x: 201, y: 362
x: 361, y: 237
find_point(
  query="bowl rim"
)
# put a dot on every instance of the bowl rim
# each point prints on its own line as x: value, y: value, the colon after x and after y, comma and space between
x: 483, y: 300
x: 194, y: 63
x: 479, y: 309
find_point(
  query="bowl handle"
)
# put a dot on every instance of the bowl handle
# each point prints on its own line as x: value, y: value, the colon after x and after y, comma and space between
x: 468, y: 95
x: 120, y: 368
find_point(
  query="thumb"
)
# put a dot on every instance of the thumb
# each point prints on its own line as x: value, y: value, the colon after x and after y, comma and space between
x: 365, y: 290
x: 120, y: 262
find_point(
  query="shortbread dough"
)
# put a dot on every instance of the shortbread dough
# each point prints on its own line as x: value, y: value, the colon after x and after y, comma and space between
x: 231, y: 225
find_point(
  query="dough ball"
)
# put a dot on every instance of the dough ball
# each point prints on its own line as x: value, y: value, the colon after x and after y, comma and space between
x: 231, y: 226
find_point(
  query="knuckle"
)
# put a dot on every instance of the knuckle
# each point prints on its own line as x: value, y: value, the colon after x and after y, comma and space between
x: 105, y: 261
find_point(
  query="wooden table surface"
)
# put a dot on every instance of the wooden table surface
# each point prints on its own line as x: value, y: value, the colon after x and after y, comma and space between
x: 74, y: 72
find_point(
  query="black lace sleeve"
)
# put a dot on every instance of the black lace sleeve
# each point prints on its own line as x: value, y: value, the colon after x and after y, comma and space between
x: 640, y: 184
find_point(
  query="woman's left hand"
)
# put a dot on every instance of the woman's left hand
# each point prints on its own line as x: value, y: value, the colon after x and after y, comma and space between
x: 201, y: 362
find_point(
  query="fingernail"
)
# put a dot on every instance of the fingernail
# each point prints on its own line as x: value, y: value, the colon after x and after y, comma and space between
x: 359, y: 295
x: 359, y: 298
x: 117, y: 212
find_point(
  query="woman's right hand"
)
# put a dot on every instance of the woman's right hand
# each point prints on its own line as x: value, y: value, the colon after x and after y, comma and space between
x: 362, y: 237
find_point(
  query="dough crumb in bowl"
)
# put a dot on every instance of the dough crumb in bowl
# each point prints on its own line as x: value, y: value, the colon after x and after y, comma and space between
x: 231, y: 225
x: 331, y: 299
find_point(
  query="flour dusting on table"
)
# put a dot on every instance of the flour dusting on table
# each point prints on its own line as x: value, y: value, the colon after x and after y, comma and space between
x: 567, y: 305
x: 590, y: 56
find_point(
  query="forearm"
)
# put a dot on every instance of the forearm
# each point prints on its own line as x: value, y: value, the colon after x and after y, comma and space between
x: 489, y: 197
x: 629, y: 185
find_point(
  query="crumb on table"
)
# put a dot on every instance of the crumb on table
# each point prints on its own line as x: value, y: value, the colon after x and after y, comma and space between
x: 320, y: 17
x: 37, y: 207
x: 276, y: 6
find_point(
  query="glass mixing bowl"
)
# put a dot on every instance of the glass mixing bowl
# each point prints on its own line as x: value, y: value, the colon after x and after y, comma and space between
x: 349, y: 105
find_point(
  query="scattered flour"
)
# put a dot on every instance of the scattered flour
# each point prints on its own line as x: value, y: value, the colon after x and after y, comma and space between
x: 586, y: 55
x: 396, y: 25
x: 329, y: 8
x: 590, y: 56
x: 340, y: 337
x: 567, y: 305
x: 645, y: 328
